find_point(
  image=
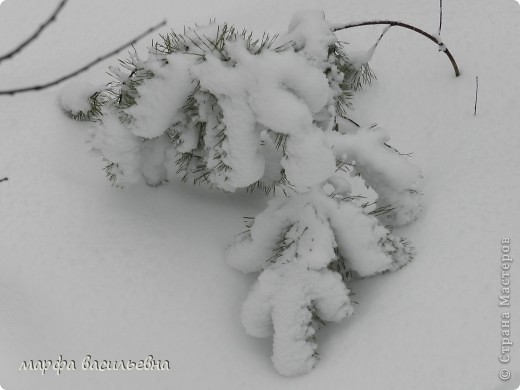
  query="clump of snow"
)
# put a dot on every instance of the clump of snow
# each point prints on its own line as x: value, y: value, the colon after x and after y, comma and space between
x: 393, y: 177
x: 367, y: 247
x: 112, y: 139
x: 154, y: 154
x: 312, y: 34
x: 161, y: 98
x: 75, y: 96
x: 273, y: 157
x: 360, y: 58
x: 282, y: 302
x: 240, y: 149
x: 341, y: 186
x: 308, y: 160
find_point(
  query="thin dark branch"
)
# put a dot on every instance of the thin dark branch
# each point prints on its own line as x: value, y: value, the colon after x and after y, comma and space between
x: 35, y: 35
x: 383, y: 34
x: 4, y: 179
x: 374, y: 47
x: 351, y: 121
x: 437, y: 40
x: 440, y: 18
x: 476, y: 95
x: 84, y: 68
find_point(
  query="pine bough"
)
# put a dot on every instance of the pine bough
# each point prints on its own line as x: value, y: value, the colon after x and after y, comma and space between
x: 271, y: 114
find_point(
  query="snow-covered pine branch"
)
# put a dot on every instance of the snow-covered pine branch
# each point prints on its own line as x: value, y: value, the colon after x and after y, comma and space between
x: 232, y: 110
x: 239, y: 112
x: 306, y: 246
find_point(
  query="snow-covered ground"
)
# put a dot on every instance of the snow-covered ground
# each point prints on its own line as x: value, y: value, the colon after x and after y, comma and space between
x: 89, y: 270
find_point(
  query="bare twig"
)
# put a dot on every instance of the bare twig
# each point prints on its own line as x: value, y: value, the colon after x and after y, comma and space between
x: 385, y: 30
x: 476, y: 95
x: 437, y: 40
x: 440, y: 18
x: 84, y: 68
x: 374, y: 47
x: 4, y: 179
x: 35, y: 35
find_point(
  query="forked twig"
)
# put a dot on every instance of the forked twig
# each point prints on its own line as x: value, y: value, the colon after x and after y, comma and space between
x: 437, y: 40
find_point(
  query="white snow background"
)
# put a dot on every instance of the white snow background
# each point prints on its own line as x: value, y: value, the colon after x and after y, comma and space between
x: 89, y: 270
